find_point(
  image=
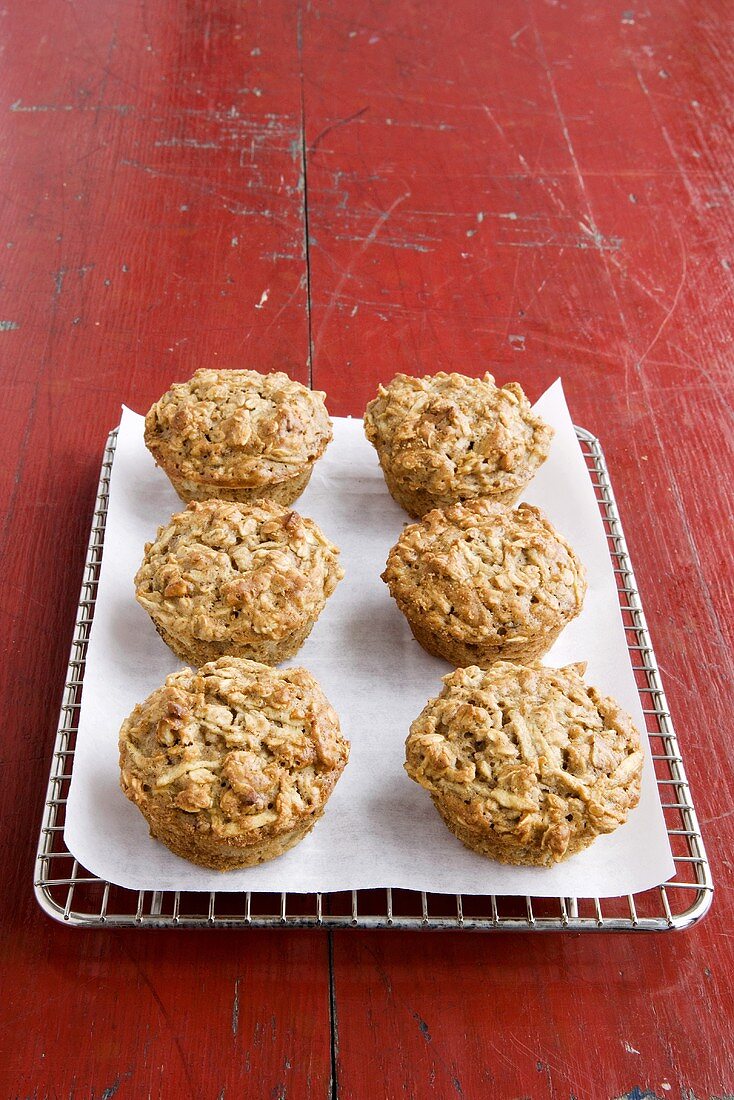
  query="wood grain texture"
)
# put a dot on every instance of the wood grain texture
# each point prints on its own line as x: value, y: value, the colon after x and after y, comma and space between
x: 353, y: 189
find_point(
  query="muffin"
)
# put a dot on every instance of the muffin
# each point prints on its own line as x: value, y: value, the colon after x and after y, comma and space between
x: 244, y: 580
x: 526, y: 764
x: 238, y: 435
x: 478, y: 582
x: 233, y: 764
x: 447, y: 438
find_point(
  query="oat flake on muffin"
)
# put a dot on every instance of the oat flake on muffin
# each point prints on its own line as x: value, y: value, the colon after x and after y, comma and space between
x: 446, y: 438
x: 478, y: 582
x: 247, y: 580
x: 526, y: 764
x: 238, y: 435
x: 233, y: 764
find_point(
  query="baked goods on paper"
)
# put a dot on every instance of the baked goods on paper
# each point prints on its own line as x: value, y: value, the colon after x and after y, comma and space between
x: 479, y: 582
x: 447, y: 437
x: 238, y: 435
x: 249, y: 580
x: 376, y: 677
x: 232, y: 765
x: 526, y: 764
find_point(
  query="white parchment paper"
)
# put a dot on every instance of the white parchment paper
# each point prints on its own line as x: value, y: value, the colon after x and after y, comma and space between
x: 380, y: 829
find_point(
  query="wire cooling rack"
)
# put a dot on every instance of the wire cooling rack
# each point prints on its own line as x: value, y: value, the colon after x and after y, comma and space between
x: 69, y: 893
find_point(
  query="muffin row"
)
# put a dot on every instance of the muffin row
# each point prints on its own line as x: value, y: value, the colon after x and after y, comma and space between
x: 240, y: 435
x: 233, y: 764
x: 477, y: 582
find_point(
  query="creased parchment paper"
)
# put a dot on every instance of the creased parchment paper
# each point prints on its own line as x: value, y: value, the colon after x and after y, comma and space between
x: 380, y: 829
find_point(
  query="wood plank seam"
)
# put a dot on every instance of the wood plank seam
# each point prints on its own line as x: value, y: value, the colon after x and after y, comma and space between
x: 304, y: 191
x: 333, y: 1023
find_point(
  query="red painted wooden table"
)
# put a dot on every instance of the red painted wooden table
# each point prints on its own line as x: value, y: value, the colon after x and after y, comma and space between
x: 344, y: 190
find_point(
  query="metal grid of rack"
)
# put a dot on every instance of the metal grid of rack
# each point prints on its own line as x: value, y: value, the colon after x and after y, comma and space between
x: 69, y: 893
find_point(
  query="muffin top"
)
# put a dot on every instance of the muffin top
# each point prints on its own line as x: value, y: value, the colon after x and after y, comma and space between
x: 481, y: 573
x: 242, y: 745
x: 237, y: 571
x: 237, y: 428
x: 457, y: 437
x: 529, y: 754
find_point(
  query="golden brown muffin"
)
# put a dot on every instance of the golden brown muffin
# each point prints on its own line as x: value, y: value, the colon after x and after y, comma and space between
x: 233, y: 764
x: 478, y: 582
x: 246, y: 580
x: 238, y: 435
x: 526, y: 764
x: 447, y: 438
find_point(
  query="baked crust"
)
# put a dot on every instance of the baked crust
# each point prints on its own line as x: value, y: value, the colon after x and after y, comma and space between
x: 526, y: 764
x: 238, y: 435
x: 247, y: 580
x: 446, y: 438
x: 233, y: 764
x: 478, y: 582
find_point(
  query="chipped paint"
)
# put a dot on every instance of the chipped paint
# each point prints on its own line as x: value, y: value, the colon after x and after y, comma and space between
x: 9, y: 326
x: 32, y: 108
x: 263, y: 299
x: 389, y: 242
x: 638, y: 1092
x: 112, y: 1089
x: 439, y: 126
x: 423, y: 1027
x: 236, y: 1008
x: 600, y: 241
x: 186, y: 143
